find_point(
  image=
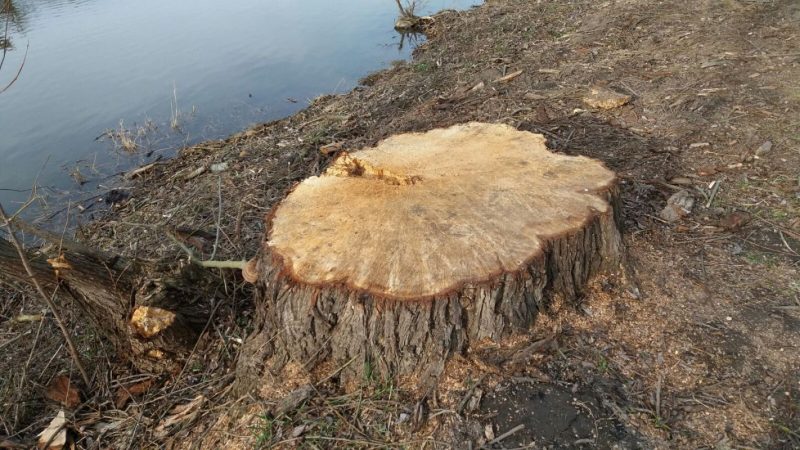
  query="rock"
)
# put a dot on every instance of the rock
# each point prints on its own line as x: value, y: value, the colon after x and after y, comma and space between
x: 603, y: 98
x: 533, y: 96
x: 683, y: 181
x: 219, y: 167
x: 293, y: 400
x: 679, y: 205
x: 764, y: 148
x: 116, y: 196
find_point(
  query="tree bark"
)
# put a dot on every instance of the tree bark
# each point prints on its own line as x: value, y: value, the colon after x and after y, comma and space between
x: 151, y: 313
x: 324, y: 304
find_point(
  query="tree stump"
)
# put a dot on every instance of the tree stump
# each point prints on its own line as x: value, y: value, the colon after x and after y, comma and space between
x: 401, y: 255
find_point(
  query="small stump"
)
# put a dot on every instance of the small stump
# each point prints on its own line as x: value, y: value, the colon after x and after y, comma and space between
x: 404, y: 254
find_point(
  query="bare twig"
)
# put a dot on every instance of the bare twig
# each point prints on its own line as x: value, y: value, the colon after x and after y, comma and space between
x: 714, y: 190
x: 48, y: 301
x: 503, y: 436
x: 219, y: 216
x: 14, y: 80
x: 194, y: 259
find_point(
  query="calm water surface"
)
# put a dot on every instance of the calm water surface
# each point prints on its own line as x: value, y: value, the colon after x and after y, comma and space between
x: 92, y: 64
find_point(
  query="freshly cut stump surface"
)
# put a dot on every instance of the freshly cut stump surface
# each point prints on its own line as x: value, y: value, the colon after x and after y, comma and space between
x: 401, y: 255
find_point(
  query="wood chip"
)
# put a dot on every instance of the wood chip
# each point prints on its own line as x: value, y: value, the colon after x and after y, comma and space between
x: 508, y: 77
x: 603, y: 98
x: 28, y: 318
x: 331, y: 148
x: 549, y: 71
x: 148, y: 321
x: 54, y: 437
x: 59, y: 263
x: 195, y: 173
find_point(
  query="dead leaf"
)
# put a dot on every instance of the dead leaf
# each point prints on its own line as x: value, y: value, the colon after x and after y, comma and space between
x: 199, y: 239
x: 541, y: 115
x: 707, y: 171
x: 63, y: 390
x: 734, y: 220
x: 54, y: 437
x: 124, y: 393
x: 508, y: 77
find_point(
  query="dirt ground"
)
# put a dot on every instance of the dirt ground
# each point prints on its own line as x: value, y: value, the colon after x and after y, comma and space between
x: 699, y: 348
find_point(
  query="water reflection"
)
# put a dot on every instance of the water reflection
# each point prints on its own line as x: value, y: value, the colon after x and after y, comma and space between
x: 131, y: 66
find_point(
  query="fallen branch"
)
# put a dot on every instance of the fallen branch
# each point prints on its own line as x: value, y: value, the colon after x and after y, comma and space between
x: 207, y: 263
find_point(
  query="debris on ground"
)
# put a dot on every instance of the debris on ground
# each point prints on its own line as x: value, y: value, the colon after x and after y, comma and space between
x: 679, y: 205
x: 604, y: 98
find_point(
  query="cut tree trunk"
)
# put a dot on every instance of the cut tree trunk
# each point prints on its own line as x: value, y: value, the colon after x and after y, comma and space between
x: 399, y: 256
x: 151, y: 313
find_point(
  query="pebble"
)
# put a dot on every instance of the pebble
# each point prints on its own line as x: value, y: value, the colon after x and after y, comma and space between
x: 219, y: 167
x: 764, y: 148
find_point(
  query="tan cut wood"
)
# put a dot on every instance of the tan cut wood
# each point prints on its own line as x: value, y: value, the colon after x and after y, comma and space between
x: 398, y: 256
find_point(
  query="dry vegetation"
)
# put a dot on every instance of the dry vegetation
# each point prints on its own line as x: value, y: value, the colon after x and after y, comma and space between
x: 701, y: 351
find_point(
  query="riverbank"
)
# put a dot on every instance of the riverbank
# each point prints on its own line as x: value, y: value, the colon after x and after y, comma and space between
x: 703, y: 354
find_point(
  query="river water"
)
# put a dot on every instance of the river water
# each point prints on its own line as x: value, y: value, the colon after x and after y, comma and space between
x: 167, y: 74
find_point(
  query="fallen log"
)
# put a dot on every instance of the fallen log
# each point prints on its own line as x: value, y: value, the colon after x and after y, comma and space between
x: 152, y: 313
